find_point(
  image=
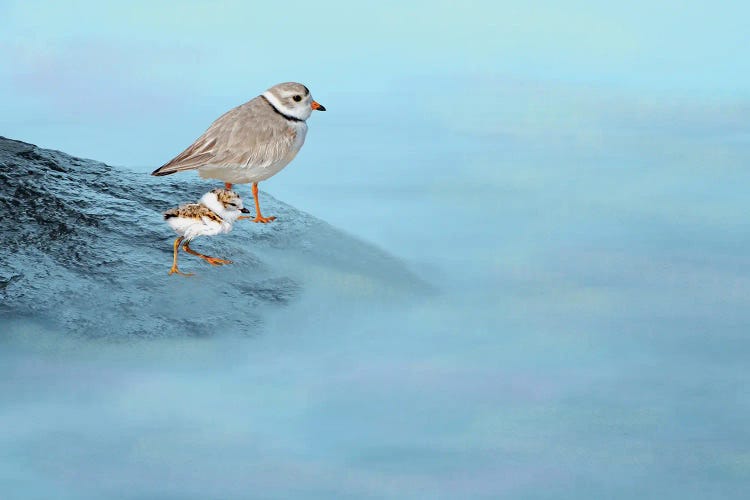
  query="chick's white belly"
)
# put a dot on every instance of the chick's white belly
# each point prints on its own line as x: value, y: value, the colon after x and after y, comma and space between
x: 192, y: 228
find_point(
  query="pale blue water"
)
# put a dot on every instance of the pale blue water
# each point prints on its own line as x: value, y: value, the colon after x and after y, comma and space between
x: 582, y: 212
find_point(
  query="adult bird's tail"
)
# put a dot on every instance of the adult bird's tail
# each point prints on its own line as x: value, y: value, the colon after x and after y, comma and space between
x: 162, y: 171
x: 180, y: 164
x: 199, y: 153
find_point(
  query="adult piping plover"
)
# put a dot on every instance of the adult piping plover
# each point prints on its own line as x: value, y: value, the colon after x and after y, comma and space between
x: 214, y: 214
x: 251, y: 142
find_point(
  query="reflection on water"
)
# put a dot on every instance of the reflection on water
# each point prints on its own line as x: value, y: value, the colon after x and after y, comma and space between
x: 587, y: 340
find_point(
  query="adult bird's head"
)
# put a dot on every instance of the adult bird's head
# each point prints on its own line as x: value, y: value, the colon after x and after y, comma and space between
x: 293, y: 100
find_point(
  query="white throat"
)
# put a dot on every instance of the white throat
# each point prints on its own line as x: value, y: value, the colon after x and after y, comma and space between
x: 230, y: 215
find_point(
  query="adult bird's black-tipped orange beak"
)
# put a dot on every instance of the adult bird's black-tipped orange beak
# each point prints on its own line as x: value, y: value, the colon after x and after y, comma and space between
x: 316, y: 105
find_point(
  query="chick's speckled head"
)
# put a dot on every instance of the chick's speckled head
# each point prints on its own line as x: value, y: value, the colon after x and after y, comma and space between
x: 229, y: 200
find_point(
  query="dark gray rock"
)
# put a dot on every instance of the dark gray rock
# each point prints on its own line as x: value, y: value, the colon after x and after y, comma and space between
x: 84, y: 247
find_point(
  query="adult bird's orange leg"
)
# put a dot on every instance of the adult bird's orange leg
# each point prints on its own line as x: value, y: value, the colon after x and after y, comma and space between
x: 174, y: 269
x: 258, y: 216
x: 214, y: 261
x: 228, y: 186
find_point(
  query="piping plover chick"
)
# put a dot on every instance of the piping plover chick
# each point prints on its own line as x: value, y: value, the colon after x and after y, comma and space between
x: 214, y: 214
x: 251, y: 142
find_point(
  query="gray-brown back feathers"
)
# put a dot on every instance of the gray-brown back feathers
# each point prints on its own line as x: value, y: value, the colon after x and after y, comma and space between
x: 252, y: 134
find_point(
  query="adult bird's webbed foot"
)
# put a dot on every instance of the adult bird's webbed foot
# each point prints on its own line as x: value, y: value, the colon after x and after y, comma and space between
x: 258, y: 216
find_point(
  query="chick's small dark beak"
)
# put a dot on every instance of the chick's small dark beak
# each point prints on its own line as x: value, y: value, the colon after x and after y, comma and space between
x: 244, y: 210
x: 317, y: 106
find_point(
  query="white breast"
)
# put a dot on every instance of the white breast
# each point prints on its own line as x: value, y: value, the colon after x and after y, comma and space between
x: 191, y: 228
x: 254, y: 170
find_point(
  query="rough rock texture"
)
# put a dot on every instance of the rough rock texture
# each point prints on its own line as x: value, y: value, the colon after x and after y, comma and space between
x: 85, y: 248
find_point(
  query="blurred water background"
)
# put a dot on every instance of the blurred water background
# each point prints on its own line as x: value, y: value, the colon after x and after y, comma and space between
x: 571, y: 177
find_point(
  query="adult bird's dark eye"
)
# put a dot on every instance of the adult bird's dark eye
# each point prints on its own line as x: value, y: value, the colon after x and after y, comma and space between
x: 297, y: 98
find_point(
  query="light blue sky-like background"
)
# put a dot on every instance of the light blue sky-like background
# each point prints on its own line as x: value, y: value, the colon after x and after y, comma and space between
x: 133, y: 83
x: 157, y: 73
x: 572, y: 177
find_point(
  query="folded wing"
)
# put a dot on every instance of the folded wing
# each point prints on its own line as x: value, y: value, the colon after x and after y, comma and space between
x: 248, y: 135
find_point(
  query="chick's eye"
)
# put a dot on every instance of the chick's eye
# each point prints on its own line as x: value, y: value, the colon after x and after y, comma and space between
x: 297, y: 98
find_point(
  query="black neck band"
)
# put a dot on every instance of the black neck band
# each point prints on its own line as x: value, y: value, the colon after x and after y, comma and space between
x: 288, y: 117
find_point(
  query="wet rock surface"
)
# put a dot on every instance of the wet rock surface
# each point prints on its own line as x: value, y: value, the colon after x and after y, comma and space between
x: 85, y: 249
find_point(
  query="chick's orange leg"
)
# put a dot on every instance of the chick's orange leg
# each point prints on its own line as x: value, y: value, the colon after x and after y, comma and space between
x: 214, y: 261
x: 174, y: 269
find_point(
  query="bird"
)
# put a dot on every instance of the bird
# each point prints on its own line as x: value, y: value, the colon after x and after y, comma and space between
x: 252, y: 142
x: 214, y: 214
